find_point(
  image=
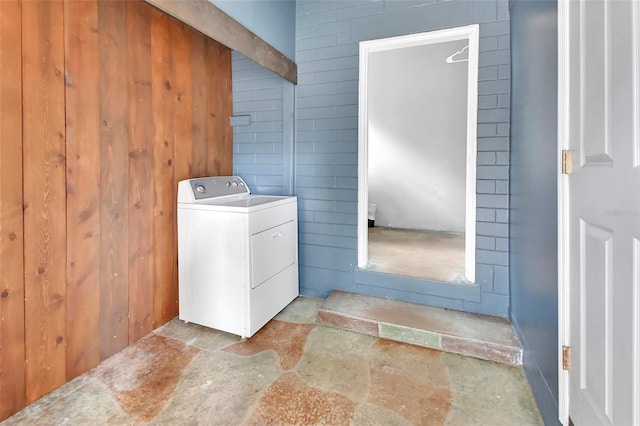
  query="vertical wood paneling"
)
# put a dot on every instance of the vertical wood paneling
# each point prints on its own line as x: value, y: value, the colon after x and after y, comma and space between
x: 164, y: 206
x: 214, y: 107
x: 83, y: 185
x: 199, y: 104
x: 183, y: 100
x: 219, y: 154
x: 141, y: 185
x: 12, y: 385
x: 114, y: 178
x: 224, y: 145
x: 88, y: 178
x: 44, y: 196
x: 182, y: 112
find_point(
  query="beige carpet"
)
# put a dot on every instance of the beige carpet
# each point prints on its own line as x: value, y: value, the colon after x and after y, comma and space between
x: 432, y: 255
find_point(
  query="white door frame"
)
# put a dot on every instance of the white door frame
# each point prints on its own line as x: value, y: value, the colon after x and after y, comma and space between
x: 470, y: 33
x: 563, y: 208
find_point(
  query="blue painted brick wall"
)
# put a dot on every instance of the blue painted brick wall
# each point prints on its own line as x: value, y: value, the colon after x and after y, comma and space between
x: 326, y: 142
x: 327, y: 36
x: 258, y: 149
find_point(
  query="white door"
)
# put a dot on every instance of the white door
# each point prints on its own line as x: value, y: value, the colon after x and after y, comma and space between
x: 603, y: 230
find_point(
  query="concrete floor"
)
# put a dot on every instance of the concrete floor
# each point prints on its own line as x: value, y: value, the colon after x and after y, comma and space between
x: 293, y: 371
x: 430, y: 255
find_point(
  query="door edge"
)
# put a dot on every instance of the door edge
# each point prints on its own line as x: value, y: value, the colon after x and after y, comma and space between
x: 563, y: 210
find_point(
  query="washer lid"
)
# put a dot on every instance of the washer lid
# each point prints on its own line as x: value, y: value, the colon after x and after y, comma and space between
x: 202, y: 189
x: 245, y: 204
x: 254, y: 200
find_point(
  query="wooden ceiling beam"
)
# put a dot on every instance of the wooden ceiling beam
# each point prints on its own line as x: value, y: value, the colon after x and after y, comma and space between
x: 208, y: 19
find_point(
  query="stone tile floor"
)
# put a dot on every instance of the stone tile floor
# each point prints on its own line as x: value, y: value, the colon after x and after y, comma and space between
x: 293, y: 371
x: 479, y: 336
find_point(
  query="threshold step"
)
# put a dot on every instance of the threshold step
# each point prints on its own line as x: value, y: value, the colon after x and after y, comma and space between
x: 474, y: 335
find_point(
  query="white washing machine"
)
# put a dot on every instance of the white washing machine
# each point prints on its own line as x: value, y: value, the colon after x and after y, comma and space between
x: 237, y: 254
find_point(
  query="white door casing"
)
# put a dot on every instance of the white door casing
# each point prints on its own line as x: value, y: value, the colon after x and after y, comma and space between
x: 599, y: 218
x: 470, y: 33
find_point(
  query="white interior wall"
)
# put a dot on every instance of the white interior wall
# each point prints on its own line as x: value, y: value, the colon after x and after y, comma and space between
x: 417, y: 137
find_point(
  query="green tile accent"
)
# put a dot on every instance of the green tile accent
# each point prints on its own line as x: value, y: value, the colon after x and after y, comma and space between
x: 409, y: 335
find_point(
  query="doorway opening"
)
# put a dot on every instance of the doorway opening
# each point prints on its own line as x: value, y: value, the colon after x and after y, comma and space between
x: 417, y: 155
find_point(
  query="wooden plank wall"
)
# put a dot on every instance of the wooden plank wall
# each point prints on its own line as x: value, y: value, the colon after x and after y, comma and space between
x: 44, y: 190
x: 104, y: 107
x: 12, y: 380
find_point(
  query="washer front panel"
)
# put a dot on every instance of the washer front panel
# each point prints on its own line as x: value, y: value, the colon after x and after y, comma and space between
x: 237, y: 255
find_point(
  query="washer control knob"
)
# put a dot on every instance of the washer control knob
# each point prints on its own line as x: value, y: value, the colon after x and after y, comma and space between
x: 201, y: 189
x: 228, y: 184
x: 235, y: 183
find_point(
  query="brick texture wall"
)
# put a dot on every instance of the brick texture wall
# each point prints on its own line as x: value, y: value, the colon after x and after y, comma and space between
x: 260, y: 149
x: 326, y: 143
